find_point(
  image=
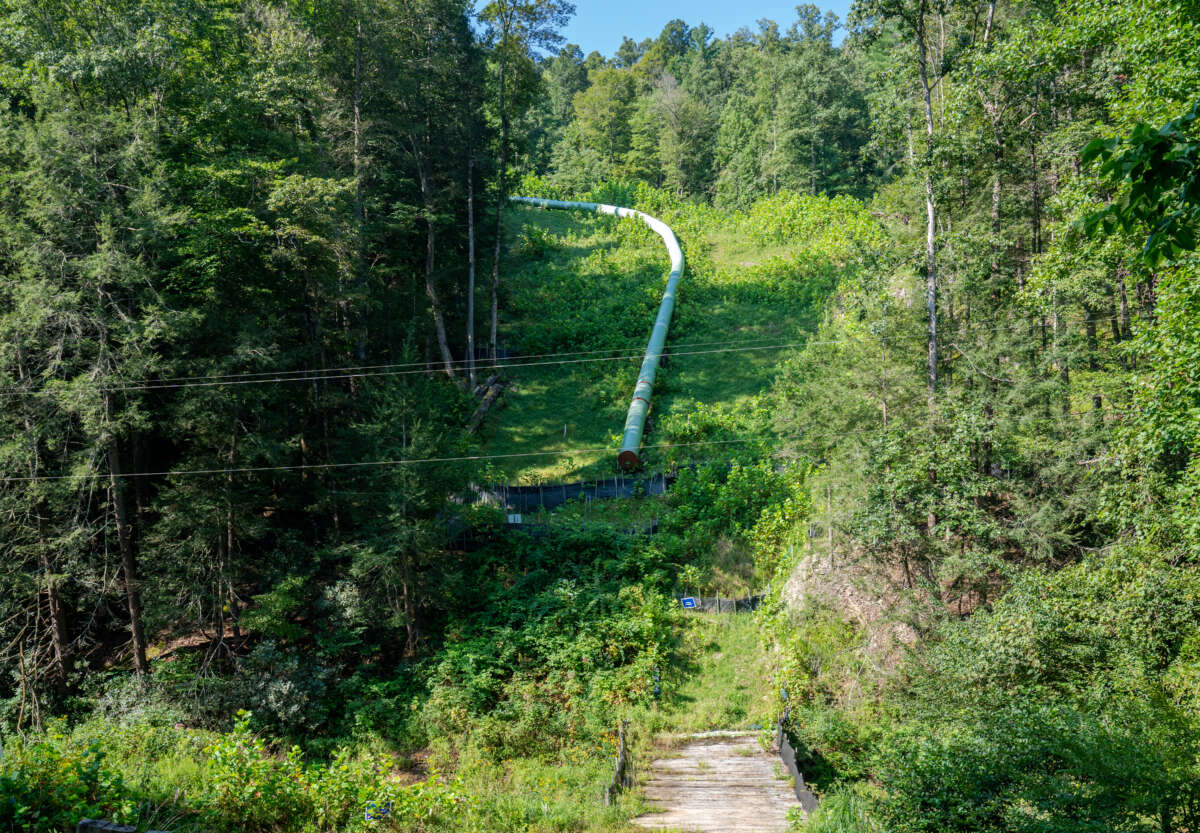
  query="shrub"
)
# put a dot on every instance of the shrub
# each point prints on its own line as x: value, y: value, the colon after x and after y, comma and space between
x: 52, y: 783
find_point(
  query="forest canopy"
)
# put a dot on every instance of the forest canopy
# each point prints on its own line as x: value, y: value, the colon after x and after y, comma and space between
x: 263, y: 306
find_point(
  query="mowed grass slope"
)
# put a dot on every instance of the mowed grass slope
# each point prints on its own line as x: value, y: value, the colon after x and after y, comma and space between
x: 728, y: 687
x: 578, y: 287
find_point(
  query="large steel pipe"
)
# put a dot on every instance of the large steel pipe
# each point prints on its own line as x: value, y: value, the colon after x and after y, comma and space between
x: 635, y: 420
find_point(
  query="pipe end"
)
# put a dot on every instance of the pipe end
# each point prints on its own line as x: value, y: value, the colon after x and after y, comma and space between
x: 628, y: 460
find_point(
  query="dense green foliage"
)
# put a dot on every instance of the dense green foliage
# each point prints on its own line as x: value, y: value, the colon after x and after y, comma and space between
x: 198, y: 224
x: 1042, y: 479
x: 731, y: 119
x: 938, y: 336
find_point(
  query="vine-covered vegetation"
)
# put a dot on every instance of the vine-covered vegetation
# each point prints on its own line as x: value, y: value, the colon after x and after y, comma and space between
x: 269, y: 329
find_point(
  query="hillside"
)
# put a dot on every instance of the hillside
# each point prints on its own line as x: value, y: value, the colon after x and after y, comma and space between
x: 582, y: 290
x: 929, y: 406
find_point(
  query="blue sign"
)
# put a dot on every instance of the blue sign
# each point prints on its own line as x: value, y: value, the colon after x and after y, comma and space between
x: 375, y: 812
x: 688, y: 601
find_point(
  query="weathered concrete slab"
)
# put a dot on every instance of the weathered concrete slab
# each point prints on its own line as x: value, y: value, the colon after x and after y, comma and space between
x: 719, y: 783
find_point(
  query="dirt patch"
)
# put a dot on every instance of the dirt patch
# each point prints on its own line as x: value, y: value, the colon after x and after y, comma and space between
x: 862, y: 592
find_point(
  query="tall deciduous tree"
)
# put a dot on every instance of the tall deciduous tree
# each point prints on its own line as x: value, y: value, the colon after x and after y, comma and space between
x: 515, y: 27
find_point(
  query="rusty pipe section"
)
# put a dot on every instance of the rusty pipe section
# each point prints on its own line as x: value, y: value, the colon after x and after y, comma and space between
x: 639, y: 406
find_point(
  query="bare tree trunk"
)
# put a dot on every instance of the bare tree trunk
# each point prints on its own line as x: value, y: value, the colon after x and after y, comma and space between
x: 991, y: 16
x: 360, y: 214
x: 1064, y: 373
x: 829, y: 521
x: 358, y: 191
x: 1124, y: 296
x: 500, y: 197
x: 931, y: 276
x: 1121, y: 318
x: 128, y: 546
x: 412, y: 630
x: 471, y: 268
x: 774, y: 133
x: 995, y: 264
x: 1035, y: 215
x: 1089, y: 323
x: 60, y: 637
x: 439, y: 322
x: 230, y: 537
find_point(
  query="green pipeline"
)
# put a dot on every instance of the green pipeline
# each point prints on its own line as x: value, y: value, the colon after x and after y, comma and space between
x: 639, y: 406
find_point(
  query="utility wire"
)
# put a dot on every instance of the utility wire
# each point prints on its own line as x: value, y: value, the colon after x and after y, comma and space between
x: 364, y: 464
x: 467, y: 458
x: 305, y: 376
x: 368, y: 371
x: 426, y: 364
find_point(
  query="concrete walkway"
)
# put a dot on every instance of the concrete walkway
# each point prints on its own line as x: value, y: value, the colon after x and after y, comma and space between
x: 719, y: 782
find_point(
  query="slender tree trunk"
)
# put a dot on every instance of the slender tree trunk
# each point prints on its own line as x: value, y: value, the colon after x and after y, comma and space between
x: 439, y: 322
x: 1064, y: 372
x: 1122, y: 318
x: 230, y: 537
x: 995, y: 265
x: 471, y: 268
x: 1089, y: 323
x: 60, y: 637
x: 360, y: 214
x: 774, y: 127
x: 883, y: 388
x: 931, y: 275
x: 1035, y: 214
x: 829, y: 521
x: 991, y: 16
x: 1114, y: 319
x: 501, y: 194
x: 931, y: 271
x: 358, y: 56
x: 1124, y: 298
x: 128, y: 546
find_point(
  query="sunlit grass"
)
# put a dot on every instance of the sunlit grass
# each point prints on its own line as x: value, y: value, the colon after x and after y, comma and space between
x: 560, y: 408
x: 726, y: 688
x: 531, y: 795
x: 730, y: 248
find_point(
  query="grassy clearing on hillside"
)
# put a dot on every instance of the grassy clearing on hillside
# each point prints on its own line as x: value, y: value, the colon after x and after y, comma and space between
x: 727, y: 688
x: 560, y: 267
x: 577, y: 282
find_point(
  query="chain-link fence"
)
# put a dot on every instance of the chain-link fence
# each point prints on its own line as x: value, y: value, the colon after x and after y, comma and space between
x: 719, y: 604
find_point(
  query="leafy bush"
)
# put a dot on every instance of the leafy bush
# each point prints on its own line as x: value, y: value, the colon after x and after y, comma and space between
x: 843, y: 810
x: 229, y: 781
x: 50, y: 783
x: 559, y: 673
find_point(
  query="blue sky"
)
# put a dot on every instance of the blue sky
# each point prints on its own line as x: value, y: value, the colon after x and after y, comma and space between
x: 599, y: 25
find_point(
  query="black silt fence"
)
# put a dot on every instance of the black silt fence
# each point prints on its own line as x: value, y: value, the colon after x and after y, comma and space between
x: 787, y: 751
x: 522, y: 499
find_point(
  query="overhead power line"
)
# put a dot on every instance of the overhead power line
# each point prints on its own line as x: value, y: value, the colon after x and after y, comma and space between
x: 365, y: 464
x: 318, y: 376
x: 425, y: 364
x: 464, y: 458
x: 416, y: 368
